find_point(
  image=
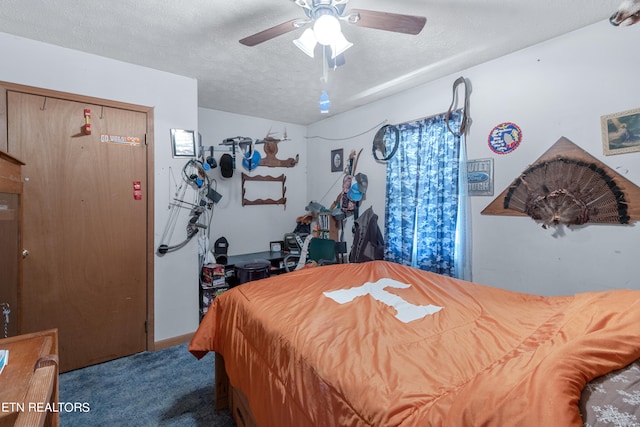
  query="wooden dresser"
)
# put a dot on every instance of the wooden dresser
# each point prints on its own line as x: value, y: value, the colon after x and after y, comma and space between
x: 29, y: 383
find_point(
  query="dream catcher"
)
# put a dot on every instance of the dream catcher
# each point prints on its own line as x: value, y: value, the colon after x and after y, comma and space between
x: 379, y: 147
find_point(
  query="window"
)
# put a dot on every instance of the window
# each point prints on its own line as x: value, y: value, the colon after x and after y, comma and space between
x: 426, y: 200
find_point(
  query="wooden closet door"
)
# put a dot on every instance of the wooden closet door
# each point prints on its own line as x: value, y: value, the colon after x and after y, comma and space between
x: 85, y: 225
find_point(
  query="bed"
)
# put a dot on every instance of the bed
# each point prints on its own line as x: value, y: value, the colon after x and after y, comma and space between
x: 380, y: 344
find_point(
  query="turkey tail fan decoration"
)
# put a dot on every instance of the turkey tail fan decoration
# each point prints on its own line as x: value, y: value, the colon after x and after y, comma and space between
x: 568, y: 186
x: 567, y: 191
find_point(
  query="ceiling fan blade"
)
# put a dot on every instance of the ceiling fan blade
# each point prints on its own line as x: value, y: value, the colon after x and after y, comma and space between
x: 407, y: 24
x: 270, y: 33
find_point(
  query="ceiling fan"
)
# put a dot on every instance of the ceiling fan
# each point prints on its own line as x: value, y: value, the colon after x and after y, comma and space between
x: 325, y: 16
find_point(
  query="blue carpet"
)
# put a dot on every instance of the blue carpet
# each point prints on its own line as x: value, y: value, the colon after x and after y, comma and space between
x: 163, y: 388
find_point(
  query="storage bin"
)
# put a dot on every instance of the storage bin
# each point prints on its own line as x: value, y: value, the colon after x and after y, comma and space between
x: 252, y: 270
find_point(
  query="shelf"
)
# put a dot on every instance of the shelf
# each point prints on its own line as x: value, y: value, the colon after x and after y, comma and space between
x: 326, y: 226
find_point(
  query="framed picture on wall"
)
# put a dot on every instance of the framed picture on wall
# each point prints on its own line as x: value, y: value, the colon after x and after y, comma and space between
x: 337, y: 160
x: 276, y: 246
x: 183, y: 143
x: 621, y: 132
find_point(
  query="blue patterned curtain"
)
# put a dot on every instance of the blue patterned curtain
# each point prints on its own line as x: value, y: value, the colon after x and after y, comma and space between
x: 425, y: 210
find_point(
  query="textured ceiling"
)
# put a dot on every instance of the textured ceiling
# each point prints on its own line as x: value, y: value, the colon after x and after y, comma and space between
x: 275, y: 80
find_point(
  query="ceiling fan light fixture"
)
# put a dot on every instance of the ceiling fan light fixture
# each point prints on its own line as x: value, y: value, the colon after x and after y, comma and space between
x: 326, y: 29
x: 340, y: 45
x: 306, y: 42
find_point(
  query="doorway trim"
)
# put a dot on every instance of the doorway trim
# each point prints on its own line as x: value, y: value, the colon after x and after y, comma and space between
x: 149, y: 142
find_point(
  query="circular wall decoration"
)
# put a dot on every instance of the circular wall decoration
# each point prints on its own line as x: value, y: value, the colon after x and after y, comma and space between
x: 505, y: 138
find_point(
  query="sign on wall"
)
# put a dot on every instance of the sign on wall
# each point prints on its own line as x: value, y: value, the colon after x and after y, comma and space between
x: 504, y: 138
x: 480, y: 177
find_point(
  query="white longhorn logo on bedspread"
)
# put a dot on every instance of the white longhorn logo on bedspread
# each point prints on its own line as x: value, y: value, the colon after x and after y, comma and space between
x: 406, y: 312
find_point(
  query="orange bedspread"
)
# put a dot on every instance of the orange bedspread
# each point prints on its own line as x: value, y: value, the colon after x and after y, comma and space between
x: 438, y: 352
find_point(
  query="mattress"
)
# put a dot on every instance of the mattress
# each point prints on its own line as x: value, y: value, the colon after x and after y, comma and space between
x: 380, y: 344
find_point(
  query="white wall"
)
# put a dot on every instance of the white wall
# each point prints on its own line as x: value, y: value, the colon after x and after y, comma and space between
x: 250, y: 228
x: 558, y: 88
x: 174, y: 99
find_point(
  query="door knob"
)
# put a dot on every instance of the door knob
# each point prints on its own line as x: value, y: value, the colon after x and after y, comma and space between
x: 25, y: 253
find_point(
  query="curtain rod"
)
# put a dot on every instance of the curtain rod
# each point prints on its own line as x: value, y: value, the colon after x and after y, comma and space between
x: 427, y: 117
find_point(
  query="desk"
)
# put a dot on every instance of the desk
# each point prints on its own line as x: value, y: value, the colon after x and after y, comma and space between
x: 273, y: 257
x: 209, y: 291
x: 30, y: 380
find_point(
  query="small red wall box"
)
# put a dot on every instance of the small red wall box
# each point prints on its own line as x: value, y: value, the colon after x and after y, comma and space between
x: 137, y: 190
x: 87, y: 121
